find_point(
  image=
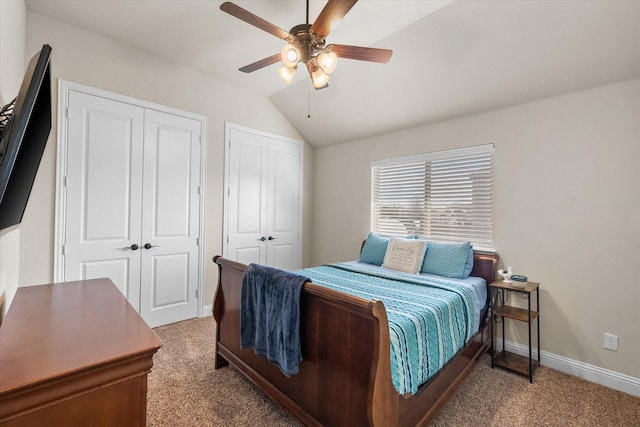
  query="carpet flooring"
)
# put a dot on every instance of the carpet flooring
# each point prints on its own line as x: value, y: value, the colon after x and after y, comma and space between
x: 185, y: 390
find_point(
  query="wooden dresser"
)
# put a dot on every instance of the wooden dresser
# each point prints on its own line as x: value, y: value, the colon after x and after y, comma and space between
x: 74, y: 354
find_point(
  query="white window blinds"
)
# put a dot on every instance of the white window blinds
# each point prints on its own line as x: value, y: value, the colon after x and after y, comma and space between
x: 447, y: 196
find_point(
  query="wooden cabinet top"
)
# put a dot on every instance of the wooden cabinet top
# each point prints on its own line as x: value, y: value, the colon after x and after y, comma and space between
x: 516, y: 286
x: 57, y: 330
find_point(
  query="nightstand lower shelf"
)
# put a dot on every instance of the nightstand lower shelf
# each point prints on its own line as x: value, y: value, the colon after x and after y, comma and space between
x: 515, y: 362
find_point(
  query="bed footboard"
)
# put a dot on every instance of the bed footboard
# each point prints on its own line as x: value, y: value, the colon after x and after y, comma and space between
x: 340, y: 338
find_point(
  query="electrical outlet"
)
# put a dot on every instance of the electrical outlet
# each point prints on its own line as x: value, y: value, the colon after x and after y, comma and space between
x: 611, y: 342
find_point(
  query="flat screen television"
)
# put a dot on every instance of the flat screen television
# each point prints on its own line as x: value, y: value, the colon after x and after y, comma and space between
x: 24, y: 137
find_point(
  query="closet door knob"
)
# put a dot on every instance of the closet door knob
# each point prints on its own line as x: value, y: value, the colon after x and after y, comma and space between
x: 262, y: 239
x: 133, y: 247
x: 149, y: 246
x: 272, y: 238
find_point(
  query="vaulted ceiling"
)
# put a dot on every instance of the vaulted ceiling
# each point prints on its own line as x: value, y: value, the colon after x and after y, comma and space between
x: 451, y: 58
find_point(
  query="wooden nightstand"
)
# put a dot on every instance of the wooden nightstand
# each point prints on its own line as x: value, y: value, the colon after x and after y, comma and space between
x: 500, y: 293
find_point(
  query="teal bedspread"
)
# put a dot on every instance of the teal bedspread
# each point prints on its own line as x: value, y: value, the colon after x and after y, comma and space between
x: 429, y: 319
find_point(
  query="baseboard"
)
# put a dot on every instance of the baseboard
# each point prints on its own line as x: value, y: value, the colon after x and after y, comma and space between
x: 207, y: 310
x: 596, y: 374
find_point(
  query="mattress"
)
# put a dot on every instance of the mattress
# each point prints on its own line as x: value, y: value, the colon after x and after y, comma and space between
x: 477, y: 286
x: 430, y: 317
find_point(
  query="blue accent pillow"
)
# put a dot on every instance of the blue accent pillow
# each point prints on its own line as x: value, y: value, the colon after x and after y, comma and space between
x: 446, y: 259
x: 468, y: 265
x: 374, y: 249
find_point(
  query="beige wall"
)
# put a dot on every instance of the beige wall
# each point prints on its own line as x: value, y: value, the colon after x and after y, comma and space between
x: 87, y: 58
x: 12, y: 62
x: 567, y: 209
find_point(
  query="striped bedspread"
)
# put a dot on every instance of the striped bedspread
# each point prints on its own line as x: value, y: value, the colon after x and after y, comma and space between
x: 429, y: 319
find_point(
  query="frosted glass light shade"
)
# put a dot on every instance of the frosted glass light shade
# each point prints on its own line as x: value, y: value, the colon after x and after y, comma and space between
x: 289, y: 55
x: 287, y: 73
x: 328, y: 61
x: 320, y: 78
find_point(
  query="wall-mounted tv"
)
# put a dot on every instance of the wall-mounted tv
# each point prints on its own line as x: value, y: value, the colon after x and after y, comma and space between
x: 24, y: 137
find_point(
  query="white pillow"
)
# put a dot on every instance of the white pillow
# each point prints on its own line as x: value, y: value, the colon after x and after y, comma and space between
x: 405, y: 254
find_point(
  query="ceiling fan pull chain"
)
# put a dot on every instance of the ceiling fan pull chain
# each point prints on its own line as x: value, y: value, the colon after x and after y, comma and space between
x: 309, y: 105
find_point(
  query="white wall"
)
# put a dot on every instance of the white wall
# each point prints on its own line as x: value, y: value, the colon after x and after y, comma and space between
x: 87, y: 58
x: 567, y: 209
x: 12, y: 62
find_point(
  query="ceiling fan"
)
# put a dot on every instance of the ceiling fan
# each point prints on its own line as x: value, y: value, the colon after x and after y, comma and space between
x: 306, y: 43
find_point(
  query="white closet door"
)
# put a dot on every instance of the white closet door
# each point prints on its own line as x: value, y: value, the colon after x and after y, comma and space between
x: 131, y: 203
x: 247, y: 197
x: 170, y: 218
x: 104, y: 183
x: 263, y: 199
x: 283, y: 207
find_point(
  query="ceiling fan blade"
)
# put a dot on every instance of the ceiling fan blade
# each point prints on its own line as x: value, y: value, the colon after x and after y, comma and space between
x: 361, y: 53
x: 254, y: 20
x: 331, y: 15
x: 261, y: 64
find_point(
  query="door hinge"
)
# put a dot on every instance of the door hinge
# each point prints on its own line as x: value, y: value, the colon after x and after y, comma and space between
x: 197, y: 241
x: 197, y: 293
x: 64, y: 249
x: 198, y: 189
x: 66, y: 112
x: 64, y: 181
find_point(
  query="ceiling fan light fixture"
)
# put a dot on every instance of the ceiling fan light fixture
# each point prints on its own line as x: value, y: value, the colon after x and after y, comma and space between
x: 319, y: 78
x: 328, y: 61
x: 287, y: 73
x: 289, y: 55
x: 305, y: 43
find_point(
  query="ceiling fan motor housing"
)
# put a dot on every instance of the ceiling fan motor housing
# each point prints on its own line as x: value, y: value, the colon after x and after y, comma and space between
x: 307, y: 43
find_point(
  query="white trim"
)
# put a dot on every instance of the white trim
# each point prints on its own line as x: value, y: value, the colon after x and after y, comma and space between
x: 61, y: 192
x: 207, y: 310
x: 67, y: 85
x: 64, y: 87
x: 596, y: 374
x: 225, y: 187
x: 202, y: 193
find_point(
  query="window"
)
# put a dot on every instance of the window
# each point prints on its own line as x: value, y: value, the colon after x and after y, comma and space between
x: 446, y: 196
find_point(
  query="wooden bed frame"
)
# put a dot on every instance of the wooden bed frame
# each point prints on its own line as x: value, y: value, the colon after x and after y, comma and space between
x: 345, y: 377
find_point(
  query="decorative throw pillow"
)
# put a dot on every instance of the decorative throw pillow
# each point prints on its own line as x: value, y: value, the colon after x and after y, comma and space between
x: 374, y: 249
x: 405, y: 254
x: 446, y: 259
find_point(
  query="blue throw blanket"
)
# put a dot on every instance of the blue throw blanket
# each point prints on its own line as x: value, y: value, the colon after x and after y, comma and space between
x: 270, y: 315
